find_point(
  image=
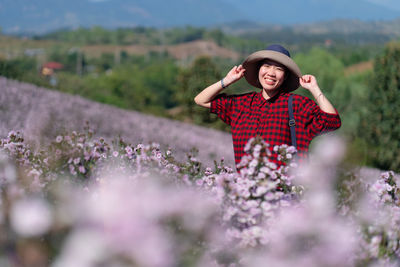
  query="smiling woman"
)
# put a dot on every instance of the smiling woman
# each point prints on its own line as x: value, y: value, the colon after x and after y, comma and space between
x: 266, y: 113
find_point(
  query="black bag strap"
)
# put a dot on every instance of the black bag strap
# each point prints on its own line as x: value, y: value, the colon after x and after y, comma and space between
x: 292, y: 122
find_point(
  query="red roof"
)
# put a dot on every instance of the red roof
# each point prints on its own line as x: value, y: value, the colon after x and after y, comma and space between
x: 53, y: 65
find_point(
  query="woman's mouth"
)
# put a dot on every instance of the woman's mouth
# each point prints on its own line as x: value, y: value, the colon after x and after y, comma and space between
x: 269, y: 81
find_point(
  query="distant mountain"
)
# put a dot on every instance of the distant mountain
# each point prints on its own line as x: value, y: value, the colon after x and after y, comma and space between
x: 45, y: 15
x: 306, y: 11
x: 40, y: 16
x: 346, y: 26
x: 389, y: 28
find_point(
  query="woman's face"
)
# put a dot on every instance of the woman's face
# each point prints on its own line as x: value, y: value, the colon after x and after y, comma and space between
x: 271, y: 75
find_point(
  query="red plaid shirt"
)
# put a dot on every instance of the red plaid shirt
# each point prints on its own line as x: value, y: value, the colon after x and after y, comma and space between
x: 251, y: 114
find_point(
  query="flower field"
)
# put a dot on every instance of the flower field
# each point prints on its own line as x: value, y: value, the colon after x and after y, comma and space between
x: 81, y: 201
x: 41, y: 114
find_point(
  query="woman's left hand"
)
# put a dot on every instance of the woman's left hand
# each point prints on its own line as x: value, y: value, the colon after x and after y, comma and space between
x: 308, y: 82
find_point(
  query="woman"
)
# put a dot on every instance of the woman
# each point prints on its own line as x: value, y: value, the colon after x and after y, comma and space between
x: 266, y: 113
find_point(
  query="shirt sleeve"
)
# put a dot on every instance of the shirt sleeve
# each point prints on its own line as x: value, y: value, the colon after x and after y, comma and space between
x: 222, y: 106
x: 318, y: 121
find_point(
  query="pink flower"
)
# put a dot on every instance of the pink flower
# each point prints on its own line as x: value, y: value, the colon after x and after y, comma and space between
x: 82, y: 169
x: 72, y: 169
x: 199, y: 182
x: 128, y: 150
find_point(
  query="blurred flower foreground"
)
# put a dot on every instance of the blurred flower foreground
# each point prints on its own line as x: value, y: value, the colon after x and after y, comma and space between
x: 81, y: 201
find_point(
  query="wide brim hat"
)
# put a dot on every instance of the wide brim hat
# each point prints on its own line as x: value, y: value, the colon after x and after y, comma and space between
x: 278, y: 54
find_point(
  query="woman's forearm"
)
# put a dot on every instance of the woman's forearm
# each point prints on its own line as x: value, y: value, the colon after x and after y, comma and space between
x: 323, y: 102
x: 205, y: 97
x: 309, y: 82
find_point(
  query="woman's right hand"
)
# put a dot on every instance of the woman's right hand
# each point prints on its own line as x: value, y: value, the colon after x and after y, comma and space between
x: 235, y: 74
x: 205, y: 97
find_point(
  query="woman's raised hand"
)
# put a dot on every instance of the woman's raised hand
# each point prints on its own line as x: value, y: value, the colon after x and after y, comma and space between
x: 308, y: 82
x: 235, y: 74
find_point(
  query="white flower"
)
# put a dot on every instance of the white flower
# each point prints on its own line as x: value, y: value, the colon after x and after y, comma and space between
x: 257, y: 148
x: 31, y: 217
x: 291, y: 150
x: 385, y: 175
x: 261, y: 190
x: 253, y: 163
x: 389, y: 187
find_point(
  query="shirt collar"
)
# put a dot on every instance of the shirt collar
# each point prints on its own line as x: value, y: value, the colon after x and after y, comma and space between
x: 262, y: 101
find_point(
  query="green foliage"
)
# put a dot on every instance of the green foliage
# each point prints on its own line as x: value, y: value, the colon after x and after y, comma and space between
x: 353, y: 54
x: 183, y: 35
x: 98, y: 35
x: 347, y: 92
x: 128, y: 36
x: 145, y: 88
x: 16, y: 68
x: 192, y: 81
x: 217, y: 35
x: 300, y: 40
x: 380, y: 124
x: 104, y: 62
x: 73, y: 60
x: 151, y: 36
x: 9, y: 69
x: 323, y: 65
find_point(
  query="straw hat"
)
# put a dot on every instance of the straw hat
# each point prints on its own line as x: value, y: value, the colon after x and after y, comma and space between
x: 276, y: 53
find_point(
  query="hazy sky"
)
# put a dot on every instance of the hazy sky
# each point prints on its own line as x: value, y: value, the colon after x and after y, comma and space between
x: 388, y: 3
x: 395, y: 4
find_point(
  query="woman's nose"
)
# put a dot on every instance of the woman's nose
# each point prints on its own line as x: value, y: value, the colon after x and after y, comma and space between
x: 271, y: 71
